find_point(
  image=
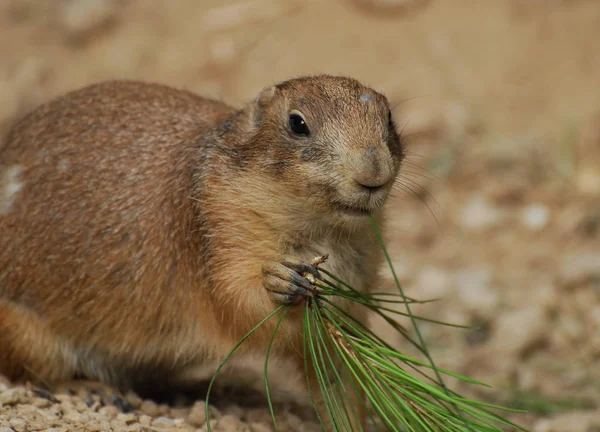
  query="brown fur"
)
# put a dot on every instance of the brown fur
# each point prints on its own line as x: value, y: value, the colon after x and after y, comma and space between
x: 136, y: 221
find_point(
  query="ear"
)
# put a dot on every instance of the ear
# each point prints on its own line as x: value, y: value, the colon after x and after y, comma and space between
x: 261, y: 103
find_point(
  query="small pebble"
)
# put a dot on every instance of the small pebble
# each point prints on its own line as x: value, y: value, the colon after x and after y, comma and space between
x: 293, y: 420
x: 134, y: 399
x: 260, y: 427
x: 518, y: 330
x: 127, y: 418
x: 432, y: 283
x: 163, y: 422
x: 41, y: 403
x: 164, y: 409
x: 258, y: 416
x: 73, y: 417
x: 109, y: 411
x: 149, y: 408
x: 82, y: 16
x: 213, y: 424
x: 13, y: 396
x: 570, y: 422
x: 578, y: 268
x: 145, y: 420
x: 118, y: 424
x: 475, y: 290
x: 535, y: 217
x: 588, y: 181
x: 480, y: 215
x: 197, y: 416
x: 18, y: 424
x: 229, y: 423
x: 235, y: 410
x: 179, y: 412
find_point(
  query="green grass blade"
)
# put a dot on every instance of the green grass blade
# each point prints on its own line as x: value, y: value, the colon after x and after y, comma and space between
x: 408, y: 309
x: 233, y: 350
x: 266, y: 372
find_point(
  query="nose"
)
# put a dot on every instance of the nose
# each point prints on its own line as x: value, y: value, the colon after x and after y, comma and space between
x: 374, y: 170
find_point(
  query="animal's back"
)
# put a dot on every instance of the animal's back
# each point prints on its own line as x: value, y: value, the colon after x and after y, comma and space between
x: 95, y: 209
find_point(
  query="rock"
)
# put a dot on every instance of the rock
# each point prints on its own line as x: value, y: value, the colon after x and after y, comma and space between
x: 570, y: 422
x: 261, y: 416
x: 480, y: 215
x: 213, y: 424
x: 516, y: 331
x: 78, y: 17
x: 145, y: 420
x: 535, y: 216
x: 127, y: 418
x: 41, y: 403
x: 179, y: 422
x: 475, y: 291
x: 578, y: 268
x: 179, y: 413
x: 110, y: 412
x: 164, y: 409
x: 117, y: 424
x: 13, y: 396
x: 294, y: 421
x: 229, y: 423
x: 73, y: 417
x: 132, y: 397
x: 235, y: 410
x: 18, y: 424
x: 432, y: 283
x: 588, y: 181
x: 149, y: 408
x: 163, y: 422
x: 260, y: 427
x: 6, y: 429
x: 197, y: 416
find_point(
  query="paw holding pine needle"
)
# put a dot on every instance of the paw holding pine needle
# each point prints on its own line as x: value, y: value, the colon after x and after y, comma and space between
x: 291, y: 281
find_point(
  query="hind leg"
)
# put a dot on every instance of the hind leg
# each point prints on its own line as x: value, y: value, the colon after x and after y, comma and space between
x: 28, y: 349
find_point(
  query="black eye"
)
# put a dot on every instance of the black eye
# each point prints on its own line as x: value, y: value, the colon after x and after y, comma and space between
x: 298, y: 125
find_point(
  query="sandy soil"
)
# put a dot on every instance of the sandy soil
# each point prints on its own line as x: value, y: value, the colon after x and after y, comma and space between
x: 500, y: 217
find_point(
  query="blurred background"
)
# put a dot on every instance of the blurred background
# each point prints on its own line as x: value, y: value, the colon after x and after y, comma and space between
x: 499, y: 102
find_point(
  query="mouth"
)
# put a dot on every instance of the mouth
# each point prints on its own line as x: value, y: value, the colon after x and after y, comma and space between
x: 350, y: 209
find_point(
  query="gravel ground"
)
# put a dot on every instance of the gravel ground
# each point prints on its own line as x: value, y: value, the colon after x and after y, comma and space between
x: 500, y: 213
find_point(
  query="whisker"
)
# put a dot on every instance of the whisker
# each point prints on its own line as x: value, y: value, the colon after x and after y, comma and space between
x: 411, y: 191
x: 424, y: 190
x: 400, y: 102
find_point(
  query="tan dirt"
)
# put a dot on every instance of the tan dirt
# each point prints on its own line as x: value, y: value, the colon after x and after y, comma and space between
x: 498, y: 214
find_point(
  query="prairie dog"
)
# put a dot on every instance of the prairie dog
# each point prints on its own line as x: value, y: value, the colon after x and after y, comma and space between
x: 144, y: 229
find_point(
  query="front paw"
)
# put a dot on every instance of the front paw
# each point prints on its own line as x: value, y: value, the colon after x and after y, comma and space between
x: 285, y: 281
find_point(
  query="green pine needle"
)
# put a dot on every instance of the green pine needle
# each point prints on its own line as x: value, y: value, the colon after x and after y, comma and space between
x: 348, y: 358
